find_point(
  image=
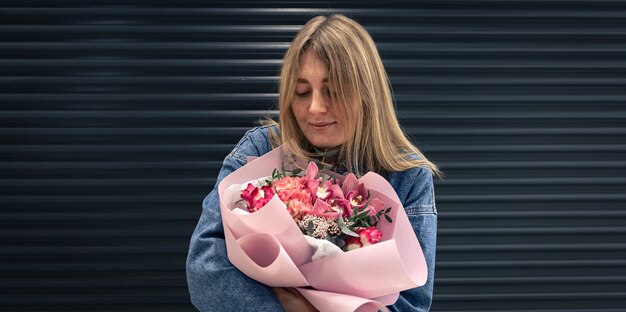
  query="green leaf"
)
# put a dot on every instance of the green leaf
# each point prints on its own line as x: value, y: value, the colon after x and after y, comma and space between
x: 340, y: 221
x: 345, y: 229
x: 362, y: 214
x: 387, y: 211
x: 309, y: 227
x: 375, y: 221
x: 296, y: 171
x: 388, y: 219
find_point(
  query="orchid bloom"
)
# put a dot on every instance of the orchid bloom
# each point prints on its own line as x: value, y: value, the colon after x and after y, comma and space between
x: 350, y: 183
x: 331, y: 209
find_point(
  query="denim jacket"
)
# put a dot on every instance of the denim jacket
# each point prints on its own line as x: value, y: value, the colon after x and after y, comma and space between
x: 216, y: 285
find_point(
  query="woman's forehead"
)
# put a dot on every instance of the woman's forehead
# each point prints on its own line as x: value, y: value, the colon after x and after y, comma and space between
x: 311, y: 68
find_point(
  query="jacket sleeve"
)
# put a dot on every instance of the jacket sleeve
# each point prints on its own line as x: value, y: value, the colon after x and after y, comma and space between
x: 214, y: 283
x: 420, y: 208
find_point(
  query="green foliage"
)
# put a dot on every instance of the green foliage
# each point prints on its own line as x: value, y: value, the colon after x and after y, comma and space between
x: 344, y: 228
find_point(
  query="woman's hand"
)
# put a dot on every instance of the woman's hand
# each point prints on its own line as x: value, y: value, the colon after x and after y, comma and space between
x: 292, y: 300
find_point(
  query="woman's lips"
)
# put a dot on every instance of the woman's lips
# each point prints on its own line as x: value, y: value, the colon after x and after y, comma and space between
x: 321, y: 125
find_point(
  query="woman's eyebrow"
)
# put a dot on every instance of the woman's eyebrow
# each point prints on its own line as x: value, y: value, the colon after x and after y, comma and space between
x: 302, y: 80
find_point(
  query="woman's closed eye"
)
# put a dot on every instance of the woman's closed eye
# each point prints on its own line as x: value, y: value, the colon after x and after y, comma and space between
x: 302, y: 94
x: 327, y: 92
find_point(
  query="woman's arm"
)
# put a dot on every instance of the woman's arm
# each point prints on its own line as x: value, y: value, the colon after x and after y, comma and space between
x: 214, y: 283
x: 420, y: 208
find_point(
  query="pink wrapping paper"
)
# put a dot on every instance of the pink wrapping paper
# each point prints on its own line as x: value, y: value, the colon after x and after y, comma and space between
x: 268, y: 246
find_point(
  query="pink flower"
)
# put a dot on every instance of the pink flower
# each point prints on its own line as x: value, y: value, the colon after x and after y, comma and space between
x: 337, y: 192
x: 292, y: 192
x: 324, y: 190
x: 357, y: 196
x: 331, y: 208
x: 255, y: 197
x: 318, y: 189
x: 375, y: 206
x: 367, y: 236
x: 298, y: 207
x: 287, y: 186
x: 356, y: 199
x: 322, y: 209
x: 350, y: 183
x: 311, y: 172
x: 340, y: 205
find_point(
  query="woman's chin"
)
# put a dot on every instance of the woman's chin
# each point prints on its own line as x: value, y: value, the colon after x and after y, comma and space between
x: 323, y: 142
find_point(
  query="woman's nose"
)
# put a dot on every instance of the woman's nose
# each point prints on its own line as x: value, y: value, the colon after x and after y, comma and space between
x: 319, y: 103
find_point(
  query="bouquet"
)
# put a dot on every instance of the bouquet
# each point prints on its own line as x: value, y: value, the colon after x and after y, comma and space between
x: 333, y: 215
x: 271, y: 216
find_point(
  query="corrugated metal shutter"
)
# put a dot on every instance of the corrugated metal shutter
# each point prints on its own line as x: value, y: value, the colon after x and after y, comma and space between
x: 115, y: 116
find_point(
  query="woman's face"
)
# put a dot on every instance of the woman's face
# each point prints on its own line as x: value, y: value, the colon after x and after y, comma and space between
x: 320, y: 121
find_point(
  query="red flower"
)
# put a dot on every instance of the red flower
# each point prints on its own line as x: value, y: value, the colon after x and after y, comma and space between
x: 367, y: 236
x: 255, y: 197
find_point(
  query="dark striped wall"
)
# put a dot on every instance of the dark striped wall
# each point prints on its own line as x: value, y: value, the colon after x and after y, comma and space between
x: 115, y: 116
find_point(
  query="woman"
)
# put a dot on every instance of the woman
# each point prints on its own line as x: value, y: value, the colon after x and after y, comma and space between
x: 335, y: 106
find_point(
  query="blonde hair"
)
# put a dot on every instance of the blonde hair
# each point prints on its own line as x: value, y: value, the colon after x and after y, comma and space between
x: 376, y: 141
